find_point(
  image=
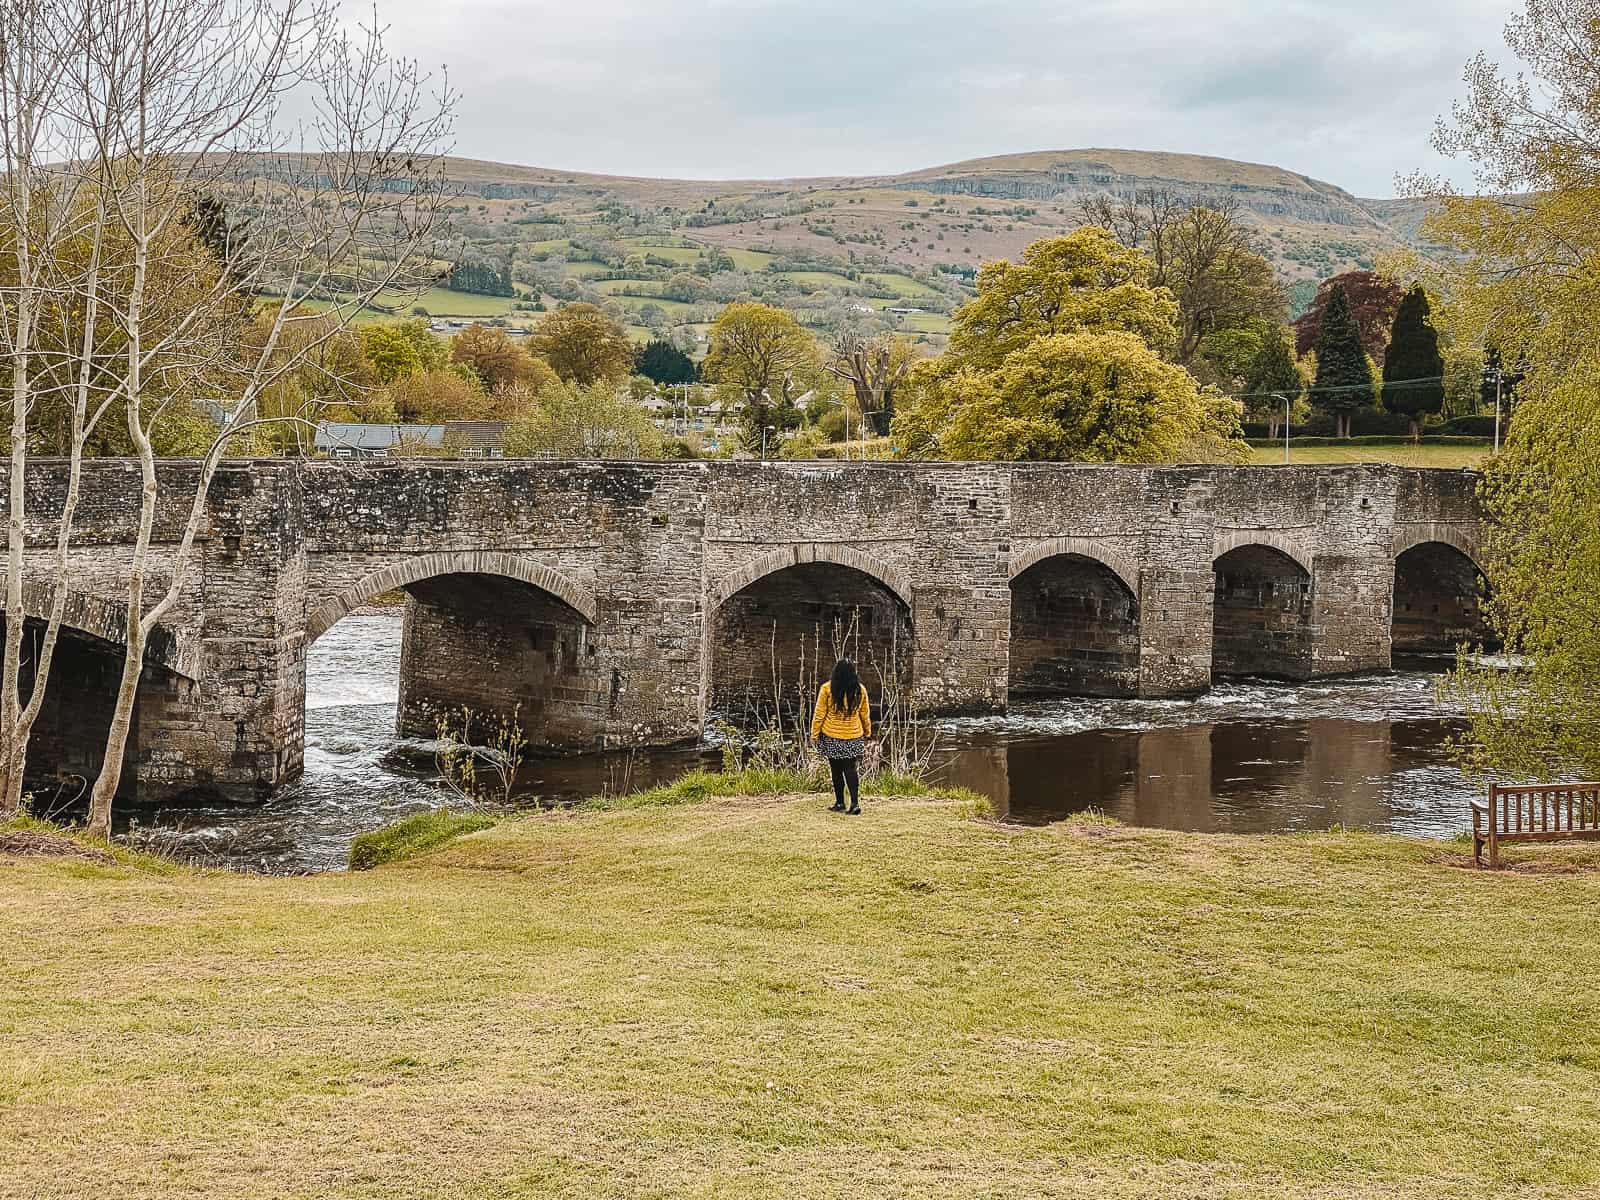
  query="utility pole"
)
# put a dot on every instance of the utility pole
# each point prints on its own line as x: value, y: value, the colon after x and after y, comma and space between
x: 1285, y: 400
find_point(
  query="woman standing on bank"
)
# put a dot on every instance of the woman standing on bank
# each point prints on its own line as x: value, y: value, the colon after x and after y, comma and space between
x: 840, y: 728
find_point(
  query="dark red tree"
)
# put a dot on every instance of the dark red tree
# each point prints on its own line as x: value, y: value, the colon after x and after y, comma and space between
x: 1373, y: 300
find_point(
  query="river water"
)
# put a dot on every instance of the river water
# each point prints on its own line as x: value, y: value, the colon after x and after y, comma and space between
x: 1247, y: 757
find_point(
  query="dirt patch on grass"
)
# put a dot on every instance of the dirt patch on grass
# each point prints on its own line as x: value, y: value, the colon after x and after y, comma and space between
x: 28, y: 843
x: 1561, y: 865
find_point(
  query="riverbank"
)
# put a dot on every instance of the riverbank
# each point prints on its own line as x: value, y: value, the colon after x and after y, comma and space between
x: 753, y: 996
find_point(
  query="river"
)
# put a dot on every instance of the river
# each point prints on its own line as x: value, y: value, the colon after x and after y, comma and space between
x: 1247, y: 757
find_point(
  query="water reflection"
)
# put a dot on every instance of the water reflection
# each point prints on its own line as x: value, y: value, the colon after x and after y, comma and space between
x: 1247, y: 757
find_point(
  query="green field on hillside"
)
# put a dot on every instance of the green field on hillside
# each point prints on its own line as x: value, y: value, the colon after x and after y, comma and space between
x: 752, y: 996
x: 1400, y: 453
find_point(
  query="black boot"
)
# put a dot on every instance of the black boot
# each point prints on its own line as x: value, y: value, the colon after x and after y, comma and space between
x: 854, y: 811
x: 838, y: 806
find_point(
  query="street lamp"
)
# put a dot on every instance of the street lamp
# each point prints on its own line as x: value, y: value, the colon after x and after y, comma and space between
x: 845, y: 404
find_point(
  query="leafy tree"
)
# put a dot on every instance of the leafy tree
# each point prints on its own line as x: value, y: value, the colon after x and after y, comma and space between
x: 1370, y: 298
x: 1273, y: 373
x: 1086, y: 280
x: 1344, y: 381
x: 1498, y: 383
x: 482, y: 278
x: 762, y: 356
x: 1225, y: 356
x: 1525, y: 276
x: 433, y: 397
x: 496, y: 360
x: 596, y: 420
x: 583, y: 345
x: 663, y: 362
x: 1089, y: 396
x: 389, y: 353
x: 1413, y: 370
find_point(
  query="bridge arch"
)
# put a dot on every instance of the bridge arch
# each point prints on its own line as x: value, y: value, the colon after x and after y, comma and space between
x: 1261, y: 608
x: 67, y: 745
x: 1124, y: 566
x: 760, y: 567
x: 1439, y: 593
x: 1286, y: 544
x: 105, y: 620
x: 1409, y: 537
x: 1074, y: 621
x: 775, y: 624
x: 423, y: 567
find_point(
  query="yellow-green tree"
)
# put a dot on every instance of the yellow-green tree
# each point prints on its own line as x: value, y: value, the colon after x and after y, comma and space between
x: 583, y: 345
x: 599, y: 420
x: 1527, y: 272
x: 762, y: 356
x: 1063, y: 357
x: 1084, y: 281
x: 1075, y: 397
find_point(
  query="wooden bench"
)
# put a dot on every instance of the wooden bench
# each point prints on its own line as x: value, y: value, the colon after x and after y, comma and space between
x: 1542, y: 812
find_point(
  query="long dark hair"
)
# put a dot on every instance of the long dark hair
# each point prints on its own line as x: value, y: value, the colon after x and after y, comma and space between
x: 844, y: 686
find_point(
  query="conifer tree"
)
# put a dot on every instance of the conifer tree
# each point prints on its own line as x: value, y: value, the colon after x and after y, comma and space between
x: 1273, y: 374
x: 1413, y: 371
x: 1344, y: 381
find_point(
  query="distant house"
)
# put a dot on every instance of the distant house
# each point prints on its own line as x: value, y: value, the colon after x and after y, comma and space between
x: 905, y: 312
x: 467, y: 439
x: 340, y: 440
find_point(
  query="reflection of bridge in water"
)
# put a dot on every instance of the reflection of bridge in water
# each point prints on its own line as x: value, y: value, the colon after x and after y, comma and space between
x: 615, y: 603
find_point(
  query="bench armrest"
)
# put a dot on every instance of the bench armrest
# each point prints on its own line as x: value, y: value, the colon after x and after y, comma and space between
x: 1480, y: 806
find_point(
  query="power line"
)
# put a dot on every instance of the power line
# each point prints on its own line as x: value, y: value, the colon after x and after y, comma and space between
x: 1342, y: 387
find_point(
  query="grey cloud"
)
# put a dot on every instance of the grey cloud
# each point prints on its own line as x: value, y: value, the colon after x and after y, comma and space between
x: 755, y: 88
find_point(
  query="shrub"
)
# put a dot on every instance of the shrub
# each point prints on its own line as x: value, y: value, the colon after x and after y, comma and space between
x: 412, y: 836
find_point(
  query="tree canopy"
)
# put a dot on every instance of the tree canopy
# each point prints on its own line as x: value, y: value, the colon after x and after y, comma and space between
x: 1061, y: 357
x: 1413, y: 370
x: 1085, y: 280
x: 596, y: 420
x: 1370, y: 299
x: 1523, y: 275
x: 762, y: 356
x: 664, y: 363
x: 583, y: 345
x: 1344, y: 377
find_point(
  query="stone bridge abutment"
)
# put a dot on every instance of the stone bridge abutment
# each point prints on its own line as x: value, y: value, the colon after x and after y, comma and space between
x: 614, y: 604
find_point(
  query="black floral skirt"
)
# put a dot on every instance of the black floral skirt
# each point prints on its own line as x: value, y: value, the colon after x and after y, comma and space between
x: 834, y: 748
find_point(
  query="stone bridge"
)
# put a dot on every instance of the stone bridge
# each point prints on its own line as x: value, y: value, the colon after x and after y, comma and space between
x: 613, y: 604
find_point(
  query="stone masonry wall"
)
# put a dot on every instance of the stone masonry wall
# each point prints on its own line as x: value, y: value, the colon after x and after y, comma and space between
x: 648, y: 555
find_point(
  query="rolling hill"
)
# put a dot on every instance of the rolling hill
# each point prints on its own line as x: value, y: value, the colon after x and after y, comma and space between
x: 880, y: 242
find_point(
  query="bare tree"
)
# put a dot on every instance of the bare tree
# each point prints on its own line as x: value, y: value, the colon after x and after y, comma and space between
x: 874, y: 367
x: 204, y: 194
x: 1203, y: 254
x: 1143, y: 221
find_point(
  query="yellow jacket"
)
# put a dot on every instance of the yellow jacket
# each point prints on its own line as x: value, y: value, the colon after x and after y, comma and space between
x: 841, y: 726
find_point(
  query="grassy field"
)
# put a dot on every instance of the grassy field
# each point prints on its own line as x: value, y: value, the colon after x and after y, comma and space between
x: 753, y: 997
x: 1401, y: 454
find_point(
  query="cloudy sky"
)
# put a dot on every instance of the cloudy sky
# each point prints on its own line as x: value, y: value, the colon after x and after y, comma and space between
x: 772, y: 88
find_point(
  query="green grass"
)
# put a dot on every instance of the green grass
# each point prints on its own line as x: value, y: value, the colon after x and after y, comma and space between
x: 412, y: 836
x: 752, y: 996
x: 825, y: 279
x: 751, y: 260
x: 1400, y: 453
